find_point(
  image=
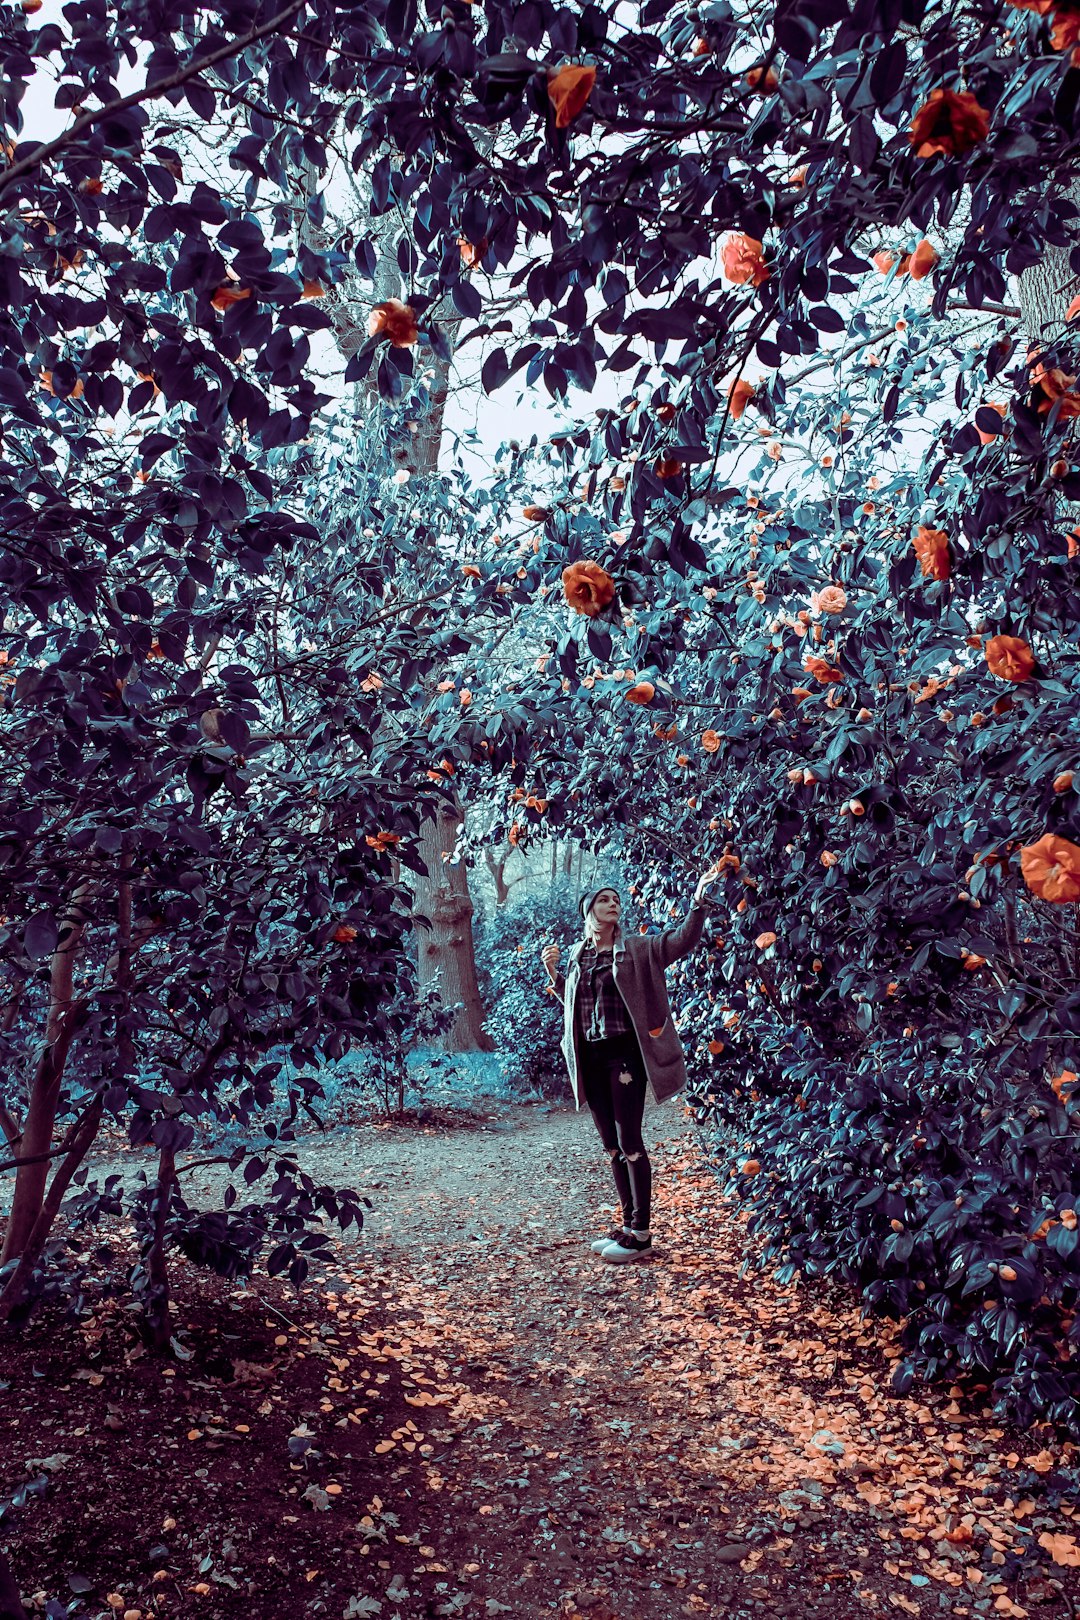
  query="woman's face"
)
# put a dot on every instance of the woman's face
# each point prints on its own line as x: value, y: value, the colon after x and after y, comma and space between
x: 607, y: 908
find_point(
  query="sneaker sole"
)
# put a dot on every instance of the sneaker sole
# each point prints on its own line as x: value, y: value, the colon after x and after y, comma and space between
x: 623, y: 1258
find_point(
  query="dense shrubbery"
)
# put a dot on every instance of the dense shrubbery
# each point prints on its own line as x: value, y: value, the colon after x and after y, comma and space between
x: 525, y: 1019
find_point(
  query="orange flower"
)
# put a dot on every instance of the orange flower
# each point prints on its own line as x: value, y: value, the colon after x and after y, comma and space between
x: 758, y: 78
x: 743, y: 259
x: 1009, y: 658
x: 587, y: 587
x: 710, y: 741
x: 472, y: 252
x: 949, y: 121
x: 668, y: 468
x: 833, y: 599
x: 666, y: 411
x: 382, y: 840
x: 313, y: 289
x: 534, y: 514
x: 990, y: 405
x: 471, y: 571
x: 932, y: 549
x: 763, y: 941
x: 1051, y: 869
x: 884, y: 260
x: 923, y: 260
x: 47, y: 384
x: 393, y: 320
x: 1065, y: 32
x: 344, y: 933
x: 643, y: 692
x: 1053, y: 386
x: 1063, y: 1083
x: 740, y: 394
x: 228, y: 294
x: 821, y: 670
x: 716, y: 1047
x: 569, y: 90
x: 1073, y: 309
x: 1064, y: 782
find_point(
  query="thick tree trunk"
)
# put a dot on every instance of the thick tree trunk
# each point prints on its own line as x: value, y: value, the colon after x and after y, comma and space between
x: 37, y: 1134
x: 444, y: 894
x: 447, y: 946
x: 1047, y: 288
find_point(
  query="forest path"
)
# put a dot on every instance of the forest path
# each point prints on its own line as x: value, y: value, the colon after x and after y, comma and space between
x: 463, y: 1411
x: 666, y: 1437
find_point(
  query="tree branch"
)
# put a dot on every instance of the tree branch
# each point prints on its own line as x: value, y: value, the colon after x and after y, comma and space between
x: 149, y: 92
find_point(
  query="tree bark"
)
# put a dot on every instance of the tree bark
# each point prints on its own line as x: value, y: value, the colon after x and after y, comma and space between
x: 158, y: 1324
x: 1047, y: 288
x: 496, y: 865
x: 444, y: 894
x: 447, y: 946
x: 81, y: 1138
x: 37, y: 1134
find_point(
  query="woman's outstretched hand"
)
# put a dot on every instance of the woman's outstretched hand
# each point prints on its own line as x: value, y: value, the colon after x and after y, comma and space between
x: 706, y: 880
x: 550, y: 958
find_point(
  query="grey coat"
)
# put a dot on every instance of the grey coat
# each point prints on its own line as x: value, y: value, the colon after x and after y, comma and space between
x: 638, y: 966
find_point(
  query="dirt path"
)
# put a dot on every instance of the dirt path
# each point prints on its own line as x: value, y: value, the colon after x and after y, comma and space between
x: 533, y: 1432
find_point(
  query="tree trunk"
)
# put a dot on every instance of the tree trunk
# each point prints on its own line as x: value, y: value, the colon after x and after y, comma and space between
x: 1047, y: 288
x: 447, y: 945
x: 81, y: 1139
x: 444, y: 894
x: 37, y: 1133
x: 158, y: 1323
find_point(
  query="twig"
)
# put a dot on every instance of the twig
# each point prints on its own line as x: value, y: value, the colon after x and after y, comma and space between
x: 149, y: 92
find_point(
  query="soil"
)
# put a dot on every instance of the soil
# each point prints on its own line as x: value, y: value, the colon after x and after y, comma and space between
x: 469, y: 1413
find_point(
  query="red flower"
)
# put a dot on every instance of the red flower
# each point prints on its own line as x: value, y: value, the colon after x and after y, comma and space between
x: 743, y: 259
x: 394, y: 320
x: 923, y: 260
x: 569, y: 90
x: 1009, y: 658
x: 949, y: 121
x: 1051, y: 869
x: 932, y: 549
x: 821, y: 670
x: 587, y: 587
x: 740, y: 394
x: 1052, y: 388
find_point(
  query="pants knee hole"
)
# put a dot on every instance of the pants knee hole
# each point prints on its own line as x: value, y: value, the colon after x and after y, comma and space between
x: 632, y: 1158
x: 626, y: 1078
x: 613, y: 1153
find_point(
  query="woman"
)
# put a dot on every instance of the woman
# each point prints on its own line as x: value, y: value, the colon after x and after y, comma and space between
x: 618, y: 1038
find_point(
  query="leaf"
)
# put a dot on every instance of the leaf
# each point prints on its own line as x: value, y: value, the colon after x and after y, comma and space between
x: 41, y: 935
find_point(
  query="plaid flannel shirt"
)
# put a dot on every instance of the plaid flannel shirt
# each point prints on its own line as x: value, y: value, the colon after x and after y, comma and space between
x: 600, y: 1006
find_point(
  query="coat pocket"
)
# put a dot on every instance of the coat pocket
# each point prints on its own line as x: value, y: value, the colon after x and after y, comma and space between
x: 665, y: 1047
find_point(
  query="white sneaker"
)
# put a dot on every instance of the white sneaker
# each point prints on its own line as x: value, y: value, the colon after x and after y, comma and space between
x: 602, y: 1243
x: 627, y: 1246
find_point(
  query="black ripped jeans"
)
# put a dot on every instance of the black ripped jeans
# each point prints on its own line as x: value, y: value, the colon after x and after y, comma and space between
x: 614, y: 1081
